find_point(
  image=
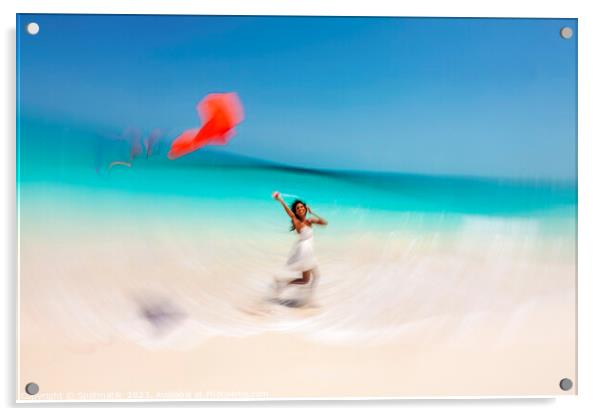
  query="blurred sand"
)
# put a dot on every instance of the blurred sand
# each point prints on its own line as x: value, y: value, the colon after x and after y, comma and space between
x: 490, y: 311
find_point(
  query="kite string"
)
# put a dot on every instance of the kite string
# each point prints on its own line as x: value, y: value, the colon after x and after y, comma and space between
x: 277, y: 194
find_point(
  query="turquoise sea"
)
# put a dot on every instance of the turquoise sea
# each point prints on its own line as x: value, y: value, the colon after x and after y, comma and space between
x: 237, y: 189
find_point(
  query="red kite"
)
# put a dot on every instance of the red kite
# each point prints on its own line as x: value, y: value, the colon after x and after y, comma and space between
x: 221, y: 113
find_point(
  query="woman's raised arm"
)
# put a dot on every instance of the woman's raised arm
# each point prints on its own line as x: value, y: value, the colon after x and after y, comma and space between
x: 290, y: 213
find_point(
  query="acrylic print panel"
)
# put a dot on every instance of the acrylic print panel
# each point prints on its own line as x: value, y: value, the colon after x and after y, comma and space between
x: 163, y: 253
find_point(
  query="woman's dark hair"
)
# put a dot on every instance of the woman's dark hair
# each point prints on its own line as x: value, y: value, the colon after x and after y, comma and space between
x: 294, y: 209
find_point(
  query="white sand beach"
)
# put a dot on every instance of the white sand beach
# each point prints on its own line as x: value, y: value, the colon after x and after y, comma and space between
x: 109, y: 311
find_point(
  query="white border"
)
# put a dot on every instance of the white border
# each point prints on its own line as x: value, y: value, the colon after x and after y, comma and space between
x: 590, y: 202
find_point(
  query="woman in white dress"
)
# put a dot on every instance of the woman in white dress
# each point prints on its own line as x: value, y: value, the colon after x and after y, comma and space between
x: 302, y: 258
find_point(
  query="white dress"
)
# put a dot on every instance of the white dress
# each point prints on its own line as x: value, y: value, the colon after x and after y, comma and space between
x: 302, y: 257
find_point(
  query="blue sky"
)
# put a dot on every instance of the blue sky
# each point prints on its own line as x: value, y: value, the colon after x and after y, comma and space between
x: 486, y: 97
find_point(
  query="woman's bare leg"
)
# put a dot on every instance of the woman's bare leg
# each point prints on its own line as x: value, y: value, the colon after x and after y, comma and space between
x: 305, y: 278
